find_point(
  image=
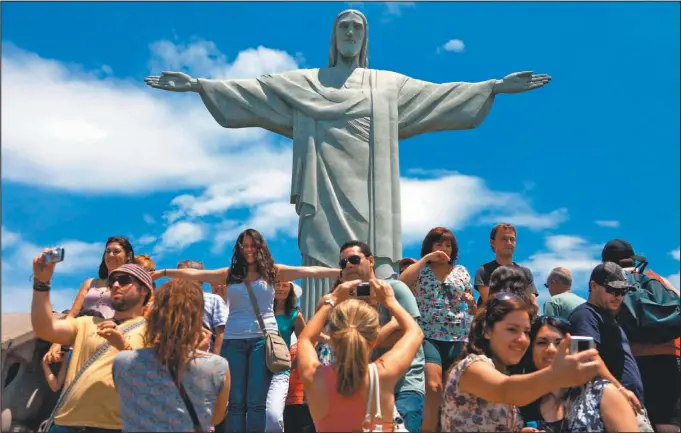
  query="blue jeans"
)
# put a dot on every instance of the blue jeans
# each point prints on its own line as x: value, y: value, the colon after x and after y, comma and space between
x: 410, y: 406
x: 250, y: 383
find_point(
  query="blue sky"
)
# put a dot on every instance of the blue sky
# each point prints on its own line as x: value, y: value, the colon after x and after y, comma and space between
x: 89, y: 152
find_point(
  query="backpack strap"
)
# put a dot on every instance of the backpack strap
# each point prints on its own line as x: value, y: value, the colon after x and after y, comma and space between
x: 47, y: 424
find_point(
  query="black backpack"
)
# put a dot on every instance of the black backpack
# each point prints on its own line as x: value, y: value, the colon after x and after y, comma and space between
x: 650, y: 313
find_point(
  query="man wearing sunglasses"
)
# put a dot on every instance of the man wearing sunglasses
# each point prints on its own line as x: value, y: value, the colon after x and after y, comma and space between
x: 596, y: 318
x: 562, y: 300
x: 357, y: 263
x: 90, y: 399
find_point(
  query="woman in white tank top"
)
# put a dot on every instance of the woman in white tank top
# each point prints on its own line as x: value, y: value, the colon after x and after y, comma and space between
x: 243, y: 344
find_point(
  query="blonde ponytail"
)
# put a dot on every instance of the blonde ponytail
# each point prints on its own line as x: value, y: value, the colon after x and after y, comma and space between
x: 354, y: 327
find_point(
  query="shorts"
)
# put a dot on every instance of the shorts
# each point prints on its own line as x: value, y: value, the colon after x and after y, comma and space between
x: 661, y: 377
x: 442, y: 353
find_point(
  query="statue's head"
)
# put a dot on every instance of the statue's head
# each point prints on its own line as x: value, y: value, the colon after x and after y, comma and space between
x: 350, y: 38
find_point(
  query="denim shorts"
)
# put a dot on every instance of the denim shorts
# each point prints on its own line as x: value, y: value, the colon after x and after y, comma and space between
x: 442, y: 353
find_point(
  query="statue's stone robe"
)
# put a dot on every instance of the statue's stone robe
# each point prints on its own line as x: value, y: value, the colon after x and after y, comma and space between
x: 345, y: 183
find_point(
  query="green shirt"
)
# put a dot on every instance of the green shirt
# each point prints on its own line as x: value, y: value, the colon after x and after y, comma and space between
x: 562, y: 305
x: 414, y: 379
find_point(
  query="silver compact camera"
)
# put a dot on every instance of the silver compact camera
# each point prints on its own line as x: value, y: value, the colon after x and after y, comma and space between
x: 580, y: 344
x: 55, y: 255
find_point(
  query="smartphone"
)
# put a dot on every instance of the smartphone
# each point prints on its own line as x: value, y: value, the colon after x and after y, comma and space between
x: 363, y: 290
x: 55, y: 255
x: 580, y: 344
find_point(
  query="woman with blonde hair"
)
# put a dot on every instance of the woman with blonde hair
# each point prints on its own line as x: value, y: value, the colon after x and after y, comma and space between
x: 338, y: 394
x: 172, y: 385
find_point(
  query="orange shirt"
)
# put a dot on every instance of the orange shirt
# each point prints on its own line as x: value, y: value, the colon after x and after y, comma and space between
x: 296, y: 390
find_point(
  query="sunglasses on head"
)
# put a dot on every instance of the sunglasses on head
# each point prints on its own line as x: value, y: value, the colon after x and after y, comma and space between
x: 355, y: 260
x: 123, y: 279
x: 616, y: 292
x: 547, y: 319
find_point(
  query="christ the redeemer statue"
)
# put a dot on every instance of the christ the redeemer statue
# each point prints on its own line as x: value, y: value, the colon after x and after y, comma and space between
x: 346, y: 121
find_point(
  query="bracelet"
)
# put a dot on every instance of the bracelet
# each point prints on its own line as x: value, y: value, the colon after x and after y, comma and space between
x: 39, y: 286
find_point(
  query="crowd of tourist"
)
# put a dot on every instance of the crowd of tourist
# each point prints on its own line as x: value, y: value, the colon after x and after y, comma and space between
x: 147, y: 349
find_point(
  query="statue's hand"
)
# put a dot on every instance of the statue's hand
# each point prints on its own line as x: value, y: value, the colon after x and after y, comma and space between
x: 518, y: 82
x: 173, y: 81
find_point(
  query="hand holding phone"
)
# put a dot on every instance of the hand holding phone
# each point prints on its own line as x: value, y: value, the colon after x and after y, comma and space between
x: 53, y: 255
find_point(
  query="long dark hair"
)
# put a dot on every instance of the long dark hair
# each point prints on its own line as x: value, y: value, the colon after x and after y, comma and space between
x: 494, y: 311
x: 238, y: 271
x: 526, y: 365
x: 127, y: 247
x: 439, y: 234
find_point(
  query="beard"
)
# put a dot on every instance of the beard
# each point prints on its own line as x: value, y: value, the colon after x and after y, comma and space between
x: 123, y: 303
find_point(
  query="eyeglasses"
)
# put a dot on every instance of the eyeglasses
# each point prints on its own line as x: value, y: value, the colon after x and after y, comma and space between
x: 123, y: 279
x: 616, y: 292
x: 355, y: 260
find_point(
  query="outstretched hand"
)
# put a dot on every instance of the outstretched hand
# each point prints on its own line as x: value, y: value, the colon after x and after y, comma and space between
x: 172, y: 81
x: 518, y: 82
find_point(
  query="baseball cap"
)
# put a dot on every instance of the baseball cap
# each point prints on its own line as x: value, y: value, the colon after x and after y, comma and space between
x: 138, y: 272
x: 618, y: 249
x: 611, y: 275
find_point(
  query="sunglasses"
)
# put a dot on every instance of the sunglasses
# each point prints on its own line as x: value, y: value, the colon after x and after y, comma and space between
x: 616, y: 292
x: 355, y: 260
x: 544, y: 320
x: 123, y: 279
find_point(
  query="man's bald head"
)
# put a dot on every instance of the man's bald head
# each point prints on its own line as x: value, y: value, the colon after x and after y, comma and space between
x: 559, y: 281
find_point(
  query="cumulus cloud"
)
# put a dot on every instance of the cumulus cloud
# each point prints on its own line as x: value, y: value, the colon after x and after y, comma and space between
x: 17, y: 258
x: 454, y: 45
x: 607, y: 223
x: 83, y: 117
x: 572, y: 252
x: 180, y: 235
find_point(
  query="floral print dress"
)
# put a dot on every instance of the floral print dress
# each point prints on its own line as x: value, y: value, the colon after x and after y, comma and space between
x: 444, y: 313
x: 462, y: 412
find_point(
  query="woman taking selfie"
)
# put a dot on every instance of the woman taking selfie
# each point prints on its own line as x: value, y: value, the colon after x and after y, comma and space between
x: 252, y: 269
x: 479, y: 384
x: 338, y: 394
x: 596, y: 406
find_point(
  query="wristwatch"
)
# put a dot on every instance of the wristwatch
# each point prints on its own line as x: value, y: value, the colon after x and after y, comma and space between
x: 329, y: 301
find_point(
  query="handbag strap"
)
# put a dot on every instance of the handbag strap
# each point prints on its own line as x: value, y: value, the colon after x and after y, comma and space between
x: 101, y: 351
x: 256, y: 308
x: 187, y: 401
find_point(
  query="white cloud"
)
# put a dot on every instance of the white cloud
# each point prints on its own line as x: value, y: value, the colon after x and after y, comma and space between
x: 79, y: 258
x: 396, y: 8
x: 675, y: 279
x: 180, y: 235
x: 149, y: 219
x: 572, y: 252
x: 607, y: 223
x: 9, y: 238
x: 424, y: 206
x: 84, y: 117
x: 454, y: 45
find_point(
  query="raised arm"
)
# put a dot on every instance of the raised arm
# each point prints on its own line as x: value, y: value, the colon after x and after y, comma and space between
x: 395, y: 362
x: 411, y: 274
x: 45, y: 326
x: 291, y: 273
x: 211, y: 276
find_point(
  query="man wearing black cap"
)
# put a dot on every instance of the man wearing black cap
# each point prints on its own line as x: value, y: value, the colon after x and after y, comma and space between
x: 659, y: 363
x: 596, y: 318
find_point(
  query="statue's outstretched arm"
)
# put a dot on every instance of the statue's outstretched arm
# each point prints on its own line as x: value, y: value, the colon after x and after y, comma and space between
x: 518, y: 82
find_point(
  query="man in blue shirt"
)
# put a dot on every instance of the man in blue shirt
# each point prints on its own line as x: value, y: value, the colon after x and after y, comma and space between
x: 596, y: 318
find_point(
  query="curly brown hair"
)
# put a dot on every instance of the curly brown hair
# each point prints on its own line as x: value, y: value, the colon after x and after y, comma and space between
x: 238, y: 271
x: 175, y: 323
